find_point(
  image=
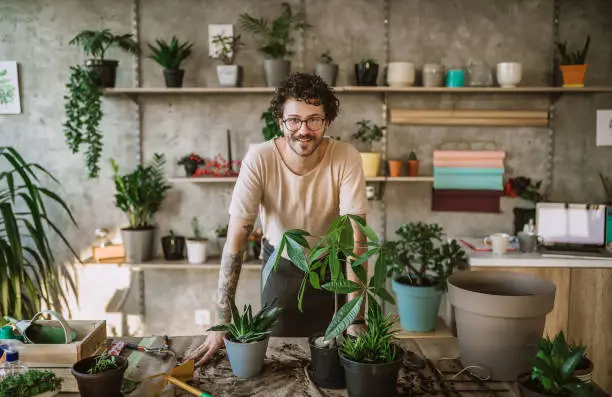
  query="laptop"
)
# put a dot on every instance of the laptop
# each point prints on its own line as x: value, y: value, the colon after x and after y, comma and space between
x: 572, y: 229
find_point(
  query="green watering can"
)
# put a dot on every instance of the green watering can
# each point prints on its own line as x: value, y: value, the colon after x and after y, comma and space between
x: 37, y: 333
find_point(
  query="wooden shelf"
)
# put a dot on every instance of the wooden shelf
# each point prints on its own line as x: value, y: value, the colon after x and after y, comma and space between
x: 370, y: 179
x: 355, y: 89
x: 160, y: 263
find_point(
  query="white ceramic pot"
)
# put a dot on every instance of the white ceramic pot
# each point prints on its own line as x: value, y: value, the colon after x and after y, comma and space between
x: 196, y: 251
x: 509, y: 74
x: 228, y: 75
x: 400, y: 74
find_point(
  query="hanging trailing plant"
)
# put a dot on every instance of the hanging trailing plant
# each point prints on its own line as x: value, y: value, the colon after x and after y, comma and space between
x: 83, y: 106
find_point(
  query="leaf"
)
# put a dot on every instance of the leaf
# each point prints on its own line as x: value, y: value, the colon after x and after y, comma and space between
x: 334, y: 263
x: 298, y: 236
x: 272, y: 263
x: 342, y: 286
x: 570, y: 364
x: 314, y: 280
x: 385, y: 295
x: 301, y: 292
x: 364, y: 257
x: 344, y: 317
x: 296, y: 255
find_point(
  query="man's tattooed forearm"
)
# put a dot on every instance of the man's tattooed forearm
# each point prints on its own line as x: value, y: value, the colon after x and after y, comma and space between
x: 231, y: 264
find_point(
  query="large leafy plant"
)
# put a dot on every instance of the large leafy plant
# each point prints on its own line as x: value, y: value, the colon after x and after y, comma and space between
x: 247, y: 328
x: 577, y: 57
x: 95, y: 43
x: 330, y: 254
x: 270, y: 129
x: 28, y: 271
x: 30, y: 383
x: 376, y: 344
x: 423, y: 257
x: 275, y: 37
x: 140, y: 193
x: 83, y: 106
x: 554, y: 366
x: 170, y: 56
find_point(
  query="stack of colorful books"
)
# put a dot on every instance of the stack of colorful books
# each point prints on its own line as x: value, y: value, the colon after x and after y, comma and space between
x: 468, y: 180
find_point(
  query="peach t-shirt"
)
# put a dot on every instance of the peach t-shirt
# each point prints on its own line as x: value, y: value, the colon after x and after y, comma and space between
x: 284, y: 200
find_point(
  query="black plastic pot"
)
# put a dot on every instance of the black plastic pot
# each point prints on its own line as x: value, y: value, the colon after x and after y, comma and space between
x: 528, y: 387
x: 174, y: 78
x: 174, y: 247
x: 521, y: 218
x: 366, y: 75
x: 103, y: 384
x: 190, y: 168
x: 326, y: 369
x: 372, y: 380
x: 105, y: 71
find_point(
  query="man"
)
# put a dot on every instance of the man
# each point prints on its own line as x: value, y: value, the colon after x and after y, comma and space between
x: 302, y: 180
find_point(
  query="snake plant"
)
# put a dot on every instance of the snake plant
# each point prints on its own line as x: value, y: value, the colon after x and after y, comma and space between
x: 28, y: 270
x: 247, y: 328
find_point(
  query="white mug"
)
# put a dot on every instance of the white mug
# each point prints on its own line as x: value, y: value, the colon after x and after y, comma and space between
x: 499, y: 242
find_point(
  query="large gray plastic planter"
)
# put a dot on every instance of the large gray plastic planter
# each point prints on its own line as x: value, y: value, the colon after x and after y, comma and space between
x: 246, y: 359
x: 500, y: 319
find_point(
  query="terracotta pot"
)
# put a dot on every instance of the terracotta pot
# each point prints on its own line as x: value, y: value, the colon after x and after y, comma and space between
x: 395, y: 168
x: 413, y: 167
x: 573, y: 75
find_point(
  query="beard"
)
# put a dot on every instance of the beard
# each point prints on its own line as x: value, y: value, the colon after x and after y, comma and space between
x: 304, y: 144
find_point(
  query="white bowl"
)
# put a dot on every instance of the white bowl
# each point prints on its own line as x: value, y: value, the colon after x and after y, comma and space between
x: 509, y: 74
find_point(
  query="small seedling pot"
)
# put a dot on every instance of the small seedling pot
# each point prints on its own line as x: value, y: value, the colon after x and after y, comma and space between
x: 103, y: 384
x: 246, y: 359
x: 326, y: 369
x: 372, y: 380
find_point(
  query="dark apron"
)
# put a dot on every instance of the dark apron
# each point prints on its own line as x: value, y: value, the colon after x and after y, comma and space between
x: 284, y: 285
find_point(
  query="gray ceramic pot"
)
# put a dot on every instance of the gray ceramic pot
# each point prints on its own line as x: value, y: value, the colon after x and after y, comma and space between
x: 500, y: 319
x: 246, y: 359
x: 138, y: 244
x: 328, y: 72
x: 276, y: 70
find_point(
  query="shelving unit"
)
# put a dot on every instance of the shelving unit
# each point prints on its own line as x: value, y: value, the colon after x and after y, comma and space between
x: 213, y: 263
x: 404, y: 179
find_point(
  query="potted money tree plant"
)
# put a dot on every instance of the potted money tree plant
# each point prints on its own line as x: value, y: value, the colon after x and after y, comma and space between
x: 322, y: 264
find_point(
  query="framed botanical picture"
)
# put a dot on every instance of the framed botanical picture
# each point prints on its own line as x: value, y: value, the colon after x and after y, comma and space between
x: 10, y: 102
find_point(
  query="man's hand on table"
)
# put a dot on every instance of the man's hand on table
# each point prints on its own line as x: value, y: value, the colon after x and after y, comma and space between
x: 203, y: 353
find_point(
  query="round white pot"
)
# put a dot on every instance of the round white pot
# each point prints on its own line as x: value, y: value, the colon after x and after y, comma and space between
x: 509, y: 74
x: 196, y: 251
x: 400, y: 74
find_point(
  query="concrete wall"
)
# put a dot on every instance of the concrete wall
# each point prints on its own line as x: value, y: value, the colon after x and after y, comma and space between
x: 36, y: 34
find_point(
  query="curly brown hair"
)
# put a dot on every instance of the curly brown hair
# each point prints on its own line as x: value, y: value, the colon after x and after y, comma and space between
x: 308, y: 88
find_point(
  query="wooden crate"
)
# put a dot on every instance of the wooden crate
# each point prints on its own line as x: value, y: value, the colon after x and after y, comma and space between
x: 90, y: 340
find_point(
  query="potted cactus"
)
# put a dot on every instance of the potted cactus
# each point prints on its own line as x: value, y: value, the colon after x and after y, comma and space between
x: 572, y: 63
x: 326, y: 69
x: 196, y: 245
x: 413, y: 164
x: 247, y: 336
x: 170, y: 57
x: 229, y: 75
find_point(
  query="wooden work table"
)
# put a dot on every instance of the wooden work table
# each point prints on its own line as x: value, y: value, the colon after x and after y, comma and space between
x: 583, y: 301
x: 285, y: 372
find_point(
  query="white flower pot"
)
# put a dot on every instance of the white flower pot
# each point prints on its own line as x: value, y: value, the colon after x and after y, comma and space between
x: 509, y: 74
x: 400, y: 74
x: 196, y: 251
x: 229, y: 75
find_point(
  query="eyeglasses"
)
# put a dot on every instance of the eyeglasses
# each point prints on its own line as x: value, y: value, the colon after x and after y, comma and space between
x: 294, y: 124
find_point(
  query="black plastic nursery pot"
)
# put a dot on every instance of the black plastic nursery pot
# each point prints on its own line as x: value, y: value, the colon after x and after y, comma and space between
x: 174, y: 78
x: 106, y: 71
x: 173, y: 247
x: 372, y: 380
x: 103, y: 384
x: 366, y: 76
x: 326, y: 369
x: 528, y: 387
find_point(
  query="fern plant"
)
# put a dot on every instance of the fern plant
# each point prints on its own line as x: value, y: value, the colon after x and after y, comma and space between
x: 170, y: 56
x: 83, y: 106
x: 376, y: 345
x: 275, y: 37
x: 330, y: 254
x: 270, y: 129
x: 140, y: 193
x: 95, y: 43
x: 567, y: 57
x: 248, y: 328
x: 29, y: 273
